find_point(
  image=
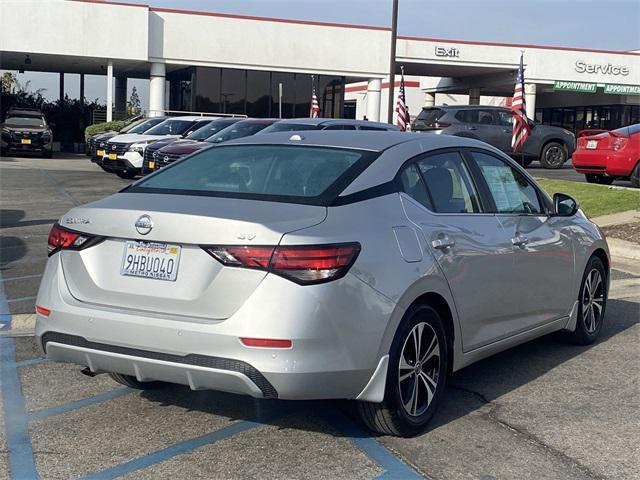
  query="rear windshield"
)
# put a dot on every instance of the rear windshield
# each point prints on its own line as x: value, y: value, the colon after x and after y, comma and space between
x: 144, y: 125
x: 25, y: 121
x: 170, y: 127
x: 630, y: 130
x: 309, y: 175
x: 210, y: 129
x: 237, y: 130
x: 289, y: 127
x: 430, y: 115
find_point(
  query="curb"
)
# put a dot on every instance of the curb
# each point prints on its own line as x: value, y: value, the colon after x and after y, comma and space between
x: 623, y: 249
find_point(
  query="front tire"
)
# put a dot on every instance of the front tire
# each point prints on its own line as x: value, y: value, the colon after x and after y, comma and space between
x: 554, y: 155
x: 132, y: 382
x: 416, y: 376
x: 600, y: 179
x: 592, y: 303
x: 635, y: 176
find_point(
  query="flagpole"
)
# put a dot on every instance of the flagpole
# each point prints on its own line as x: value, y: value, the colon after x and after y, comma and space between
x: 392, y: 60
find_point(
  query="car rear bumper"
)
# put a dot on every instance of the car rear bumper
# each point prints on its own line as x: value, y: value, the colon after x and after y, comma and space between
x: 607, y: 162
x: 336, y: 332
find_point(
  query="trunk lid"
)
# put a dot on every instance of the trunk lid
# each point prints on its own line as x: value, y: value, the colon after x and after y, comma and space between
x: 203, y: 287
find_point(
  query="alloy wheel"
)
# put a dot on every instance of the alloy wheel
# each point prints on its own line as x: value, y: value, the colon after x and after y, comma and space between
x: 554, y: 156
x: 592, y: 301
x: 419, y: 369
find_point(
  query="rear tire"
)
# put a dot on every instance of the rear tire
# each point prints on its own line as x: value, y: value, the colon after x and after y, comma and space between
x: 126, y: 174
x: 635, y: 176
x: 47, y: 154
x: 554, y: 155
x: 401, y: 413
x: 601, y: 179
x: 132, y: 382
x: 592, y: 303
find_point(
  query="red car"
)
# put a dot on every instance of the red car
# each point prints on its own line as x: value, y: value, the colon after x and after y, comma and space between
x: 610, y: 155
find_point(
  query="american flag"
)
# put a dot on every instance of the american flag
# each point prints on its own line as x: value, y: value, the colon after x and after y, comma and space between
x: 521, y: 128
x: 402, y: 114
x: 315, y: 106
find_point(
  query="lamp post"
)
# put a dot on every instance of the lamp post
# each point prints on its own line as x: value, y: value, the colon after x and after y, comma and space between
x: 392, y: 60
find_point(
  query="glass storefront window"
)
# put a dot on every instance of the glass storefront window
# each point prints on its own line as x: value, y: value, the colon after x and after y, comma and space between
x: 303, y: 95
x: 208, y: 90
x: 288, y: 93
x: 258, y: 94
x: 253, y: 93
x: 233, y: 91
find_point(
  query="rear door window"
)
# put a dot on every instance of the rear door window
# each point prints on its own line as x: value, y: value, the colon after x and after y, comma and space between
x: 449, y: 183
x: 412, y: 184
x: 476, y: 115
x: 312, y: 175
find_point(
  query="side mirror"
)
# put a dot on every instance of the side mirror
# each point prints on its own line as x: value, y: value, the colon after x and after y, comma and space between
x: 564, y: 205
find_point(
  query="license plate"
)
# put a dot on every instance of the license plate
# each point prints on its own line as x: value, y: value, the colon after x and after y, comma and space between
x: 26, y: 141
x: 152, y: 165
x: 592, y: 144
x: 151, y: 260
x: 100, y: 153
x: 113, y: 156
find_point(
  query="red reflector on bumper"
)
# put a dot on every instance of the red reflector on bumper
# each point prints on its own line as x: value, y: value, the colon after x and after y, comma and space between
x: 43, y: 311
x: 266, y: 343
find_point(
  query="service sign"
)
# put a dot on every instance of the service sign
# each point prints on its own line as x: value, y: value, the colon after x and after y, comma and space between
x: 616, y: 89
x: 560, y: 85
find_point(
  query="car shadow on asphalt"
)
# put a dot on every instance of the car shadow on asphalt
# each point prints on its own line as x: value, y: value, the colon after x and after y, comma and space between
x: 498, y: 375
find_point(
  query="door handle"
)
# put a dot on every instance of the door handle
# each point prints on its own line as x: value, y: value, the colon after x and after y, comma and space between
x: 443, y: 243
x: 507, y: 130
x: 472, y: 128
x: 519, y: 241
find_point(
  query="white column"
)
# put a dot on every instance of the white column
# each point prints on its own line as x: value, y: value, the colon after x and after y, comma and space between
x: 373, y: 99
x: 530, y: 98
x: 429, y: 99
x: 121, y: 94
x: 474, y: 96
x: 156, y: 90
x: 109, y: 90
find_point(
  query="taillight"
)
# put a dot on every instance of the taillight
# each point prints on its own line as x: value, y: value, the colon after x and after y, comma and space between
x: 582, y: 142
x: 441, y: 124
x: 303, y: 264
x: 62, y: 239
x: 619, y: 143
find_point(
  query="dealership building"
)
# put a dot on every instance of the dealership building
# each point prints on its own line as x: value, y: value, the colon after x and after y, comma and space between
x: 267, y: 67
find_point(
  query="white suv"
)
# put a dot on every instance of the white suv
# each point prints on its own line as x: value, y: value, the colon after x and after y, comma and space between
x: 124, y: 153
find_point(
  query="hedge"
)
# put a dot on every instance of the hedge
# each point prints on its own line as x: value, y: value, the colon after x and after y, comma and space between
x: 105, y: 127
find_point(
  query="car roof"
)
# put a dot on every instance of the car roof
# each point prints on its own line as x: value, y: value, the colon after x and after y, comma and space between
x: 334, y: 121
x: 259, y: 121
x: 466, y: 107
x: 354, y: 139
x: 28, y: 112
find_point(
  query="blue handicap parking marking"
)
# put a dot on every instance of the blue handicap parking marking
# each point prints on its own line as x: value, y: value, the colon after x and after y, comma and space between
x: 5, y: 313
x: 21, y: 461
x: 394, y: 467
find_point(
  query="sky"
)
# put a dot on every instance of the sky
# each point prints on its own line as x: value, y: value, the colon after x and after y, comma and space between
x: 608, y: 25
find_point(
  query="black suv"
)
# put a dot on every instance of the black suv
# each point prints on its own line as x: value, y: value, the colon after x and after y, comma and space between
x: 26, y: 130
x: 553, y: 146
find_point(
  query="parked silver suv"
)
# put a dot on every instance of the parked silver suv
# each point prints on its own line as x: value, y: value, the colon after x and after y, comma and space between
x: 553, y: 146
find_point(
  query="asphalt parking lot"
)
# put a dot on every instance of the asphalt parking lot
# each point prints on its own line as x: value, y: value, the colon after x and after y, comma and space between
x: 544, y: 410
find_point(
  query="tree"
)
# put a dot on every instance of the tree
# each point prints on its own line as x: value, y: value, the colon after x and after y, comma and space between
x: 8, y: 82
x: 133, y: 105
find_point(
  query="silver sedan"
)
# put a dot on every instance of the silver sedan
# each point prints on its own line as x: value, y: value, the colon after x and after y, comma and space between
x: 316, y: 265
